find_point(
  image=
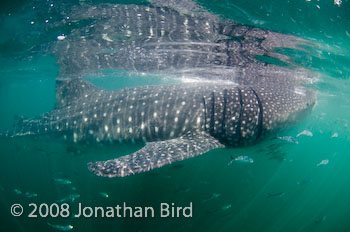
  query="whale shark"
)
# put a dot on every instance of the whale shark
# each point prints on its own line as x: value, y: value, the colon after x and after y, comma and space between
x: 176, y: 122
x: 173, y: 38
x: 243, y: 99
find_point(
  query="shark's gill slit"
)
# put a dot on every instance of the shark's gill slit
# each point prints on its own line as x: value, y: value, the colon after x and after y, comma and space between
x: 224, y: 123
x: 260, y: 116
x: 212, y: 113
x: 238, y: 129
x: 205, y: 113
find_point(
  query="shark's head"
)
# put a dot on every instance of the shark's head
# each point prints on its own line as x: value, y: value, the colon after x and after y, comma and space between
x: 290, y: 106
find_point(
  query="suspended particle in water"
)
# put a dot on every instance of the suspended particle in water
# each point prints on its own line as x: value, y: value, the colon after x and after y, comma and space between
x: 337, y: 2
x: 61, y: 37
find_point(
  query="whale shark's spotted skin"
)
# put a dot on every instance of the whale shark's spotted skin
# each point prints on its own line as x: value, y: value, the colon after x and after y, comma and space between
x: 162, y: 39
x: 175, y: 121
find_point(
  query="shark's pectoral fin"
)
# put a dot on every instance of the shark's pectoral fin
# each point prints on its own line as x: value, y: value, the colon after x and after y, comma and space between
x: 156, y: 155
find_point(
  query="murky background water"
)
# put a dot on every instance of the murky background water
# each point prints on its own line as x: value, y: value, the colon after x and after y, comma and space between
x: 290, y: 186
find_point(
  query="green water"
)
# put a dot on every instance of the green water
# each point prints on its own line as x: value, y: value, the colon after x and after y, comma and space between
x: 322, y: 203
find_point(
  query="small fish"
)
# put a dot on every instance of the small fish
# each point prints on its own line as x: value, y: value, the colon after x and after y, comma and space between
x: 305, y: 181
x: 153, y: 174
x: 177, y: 166
x: 226, y: 207
x: 2, y: 188
x: 183, y: 189
x: 221, y: 209
x: 323, y: 163
x: 244, y: 159
x: 212, y: 197
x: 74, y: 188
x: 321, y: 219
x: 17, y: 191
x: 102, y: 194
x: 73, y: 150
x: 63, y: 181
x: 241, y: 159
x: 335, y: 135
x: 305, y: 132
x: 61, y: 228
x: 204, y: 182
x: 30, y: 195
x: 69, y: 198
x: 272, y: 195
x: 289, y: 139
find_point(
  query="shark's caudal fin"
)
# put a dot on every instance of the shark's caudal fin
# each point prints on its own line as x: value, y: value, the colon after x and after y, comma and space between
x: 27, y: 127
x: 68, y: 91
x: 155, y: 155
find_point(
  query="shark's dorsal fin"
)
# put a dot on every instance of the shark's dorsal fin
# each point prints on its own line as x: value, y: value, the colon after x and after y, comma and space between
x: 156, y: 154
x: 68, y: 91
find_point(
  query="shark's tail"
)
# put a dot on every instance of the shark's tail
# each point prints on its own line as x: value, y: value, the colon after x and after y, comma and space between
x: 68, y: 91
x: 26, y: 127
